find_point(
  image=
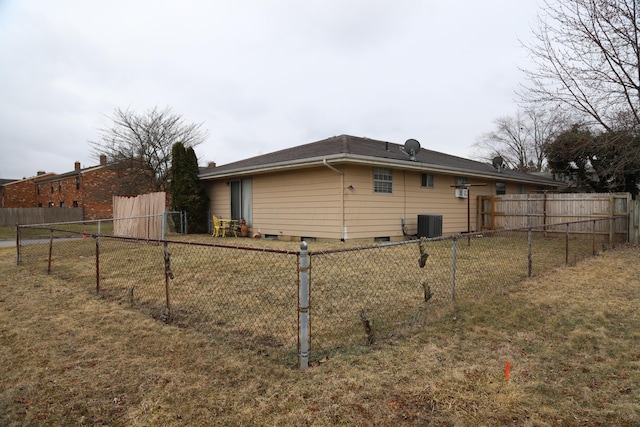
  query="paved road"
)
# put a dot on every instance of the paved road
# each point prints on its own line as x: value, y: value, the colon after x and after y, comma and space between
x: 7, y: 243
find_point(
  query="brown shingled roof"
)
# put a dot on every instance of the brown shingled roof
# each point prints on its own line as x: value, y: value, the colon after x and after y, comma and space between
x: 347, y: 148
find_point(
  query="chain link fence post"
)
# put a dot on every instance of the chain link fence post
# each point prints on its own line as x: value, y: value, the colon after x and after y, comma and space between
x: 529, y: 254
x: 303, y: 308
x: 593, y: 238
x: 168, y: 274
x: 50, y: 251
x: 97, y: 265
x: 453, y: 267
x: 17, y: 244
x: 566, y: 246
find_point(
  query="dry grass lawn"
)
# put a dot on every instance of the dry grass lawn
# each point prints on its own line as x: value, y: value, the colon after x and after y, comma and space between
x: 68, y: 357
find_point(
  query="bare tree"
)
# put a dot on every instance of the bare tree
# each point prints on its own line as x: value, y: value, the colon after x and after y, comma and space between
x: 521, y: 140
x: 139, y: 145
x: 587, y: 56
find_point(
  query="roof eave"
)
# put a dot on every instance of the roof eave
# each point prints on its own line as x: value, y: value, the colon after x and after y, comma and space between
x: 368, y: 161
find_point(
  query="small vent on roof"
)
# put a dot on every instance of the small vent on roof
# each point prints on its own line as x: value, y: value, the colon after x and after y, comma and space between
x: 411, y: 148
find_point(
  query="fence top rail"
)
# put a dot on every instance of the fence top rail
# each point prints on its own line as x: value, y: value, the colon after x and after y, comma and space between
x: 88, y: 221
x: 375, y: 246
x: 545, y: 226
x: 204, y: 244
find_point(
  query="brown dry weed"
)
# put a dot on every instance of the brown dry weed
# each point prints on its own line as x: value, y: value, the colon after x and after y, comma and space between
x: 69, y: 357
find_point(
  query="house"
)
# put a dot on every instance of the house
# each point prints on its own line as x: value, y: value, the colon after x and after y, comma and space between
x: 348, y: 188
x: 90, y: 188
x: 21, y: 193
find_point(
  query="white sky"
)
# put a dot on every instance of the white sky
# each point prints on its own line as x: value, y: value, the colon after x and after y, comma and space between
x: 262, y: 75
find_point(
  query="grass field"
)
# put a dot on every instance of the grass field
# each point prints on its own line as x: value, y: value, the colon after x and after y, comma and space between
x: 570, y: 336
x: 251, y: 295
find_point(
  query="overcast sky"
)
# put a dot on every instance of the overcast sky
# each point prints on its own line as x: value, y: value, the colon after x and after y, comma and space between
x: 261, y: 75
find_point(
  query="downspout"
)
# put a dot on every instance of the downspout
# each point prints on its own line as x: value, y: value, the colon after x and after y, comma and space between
x: 338, y: 171
x: 333, y: 168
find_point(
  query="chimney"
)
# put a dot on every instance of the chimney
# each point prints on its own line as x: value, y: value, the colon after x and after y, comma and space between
x: 77, y: 165
x: 211, y: 165
x: 103, y: 159
x: 40, y: 173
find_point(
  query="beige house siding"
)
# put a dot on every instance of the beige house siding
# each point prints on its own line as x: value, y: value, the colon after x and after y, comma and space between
x: 339, y: 203
x: 305, y: 203
x: 369, y: 214
x: 219, y: 198
x: 302, y: 203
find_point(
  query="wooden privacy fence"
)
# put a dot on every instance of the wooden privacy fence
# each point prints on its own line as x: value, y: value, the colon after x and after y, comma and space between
x: 9, y: 217
x: 541, y: 210
x: 139, y: 216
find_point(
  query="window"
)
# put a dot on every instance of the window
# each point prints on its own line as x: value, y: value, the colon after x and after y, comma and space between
x: 382, y: 180
x: 501, y: 188
x: 427, y: 180
x: 75, y: 203
x: 77, y: 182
x: 52, y: 187
x: 461, y: 180
x: 62, y: 204
x: 60, y: 186
x: 241, y: 200
x: 39, y: 204
x: 50, y: 204
x: 522, y: 189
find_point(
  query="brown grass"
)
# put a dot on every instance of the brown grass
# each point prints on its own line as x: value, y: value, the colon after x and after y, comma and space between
x: 69, y: 357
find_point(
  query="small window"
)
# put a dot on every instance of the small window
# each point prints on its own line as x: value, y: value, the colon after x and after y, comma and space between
x: 501, y: 188
x: 60, y: 186
x: 382, y: 180
x: 75, y: 203
x: 39, y: 204
x: 50, y: 204
x: 38, y: 190
x: 62, y: 204
x: 427, y: 180
x: 461, y: 180
x: 52, y: 187
x: 522, y: 189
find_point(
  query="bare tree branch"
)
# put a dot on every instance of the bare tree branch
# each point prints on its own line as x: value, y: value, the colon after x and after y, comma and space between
x: 521, y: 140
x: 141, y: 144
x: 587, y: 56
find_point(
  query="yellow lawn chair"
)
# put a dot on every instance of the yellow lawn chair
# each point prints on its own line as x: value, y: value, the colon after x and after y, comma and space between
x: 217, y: 227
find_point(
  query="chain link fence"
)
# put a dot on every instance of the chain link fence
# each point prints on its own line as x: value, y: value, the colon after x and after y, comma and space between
x: 250, y: 296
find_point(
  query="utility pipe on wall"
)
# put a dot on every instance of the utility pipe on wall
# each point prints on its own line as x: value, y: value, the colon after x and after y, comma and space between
x: 338, y: 171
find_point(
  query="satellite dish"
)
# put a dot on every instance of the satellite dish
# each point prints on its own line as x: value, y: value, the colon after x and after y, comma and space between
x: 411, y: 148
x: 498, y: 163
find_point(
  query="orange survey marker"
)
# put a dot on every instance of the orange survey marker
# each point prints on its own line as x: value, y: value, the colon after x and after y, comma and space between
x: 507, y: 369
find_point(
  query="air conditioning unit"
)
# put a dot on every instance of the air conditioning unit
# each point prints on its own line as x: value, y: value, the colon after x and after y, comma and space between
x: 429, y: 226
x: 462, y: 193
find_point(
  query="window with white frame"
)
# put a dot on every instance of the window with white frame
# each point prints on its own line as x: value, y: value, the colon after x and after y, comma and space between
x: 501, y: 188
x: 461, y: 180
x: 382, y: 180
x: 426, y: 180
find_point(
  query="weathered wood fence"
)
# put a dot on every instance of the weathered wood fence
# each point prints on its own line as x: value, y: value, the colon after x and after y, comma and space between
x: 9, y: 217
x: 546, y: 209
x: 139, y: 216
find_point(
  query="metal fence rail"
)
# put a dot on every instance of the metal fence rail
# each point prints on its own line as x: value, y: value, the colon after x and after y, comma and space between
x: 258, y: 297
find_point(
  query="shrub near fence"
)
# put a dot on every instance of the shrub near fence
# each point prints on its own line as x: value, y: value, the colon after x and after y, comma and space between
x: 358, y: 295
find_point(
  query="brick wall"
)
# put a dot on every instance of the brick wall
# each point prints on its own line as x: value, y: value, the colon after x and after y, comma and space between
x: 91, y: 189
x: 21, y: 194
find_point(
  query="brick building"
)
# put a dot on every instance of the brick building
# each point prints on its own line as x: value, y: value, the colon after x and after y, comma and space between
x: 21, y: 193
x: 91, y: 189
